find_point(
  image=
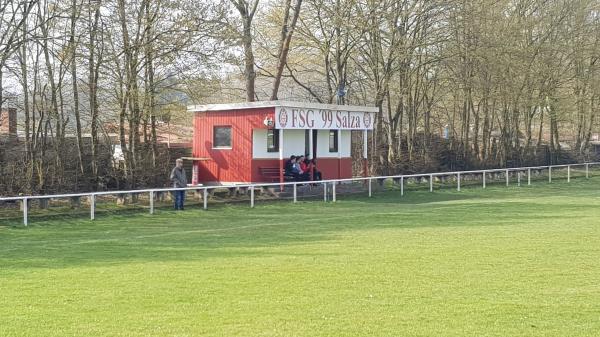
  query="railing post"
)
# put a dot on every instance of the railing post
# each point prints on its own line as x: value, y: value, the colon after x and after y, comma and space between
x: 401, y: 186
x: 587, y: 170
x: 325, y: 192
x: 528, y: 177
x: 569, y: 173
x: 507, y: 179
x: 25, y: 207
x: 205, y: 198
x: 151, y: 202
x: 92, y: 207
x: 333, y: 197
x: 431, y: 183
x: 484, y: 179
x: 519, y: 178
x: 295, y: 192
x: 370, y: 188
x: 252, y: 196
x: 549, y: 174
x: 458, y: 181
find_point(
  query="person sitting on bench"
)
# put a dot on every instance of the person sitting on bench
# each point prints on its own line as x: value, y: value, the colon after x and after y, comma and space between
x: 303, y: 173
x: 317, y: 174
x: 290, y: 169
x: 309, y: 166
x: 305, y: 166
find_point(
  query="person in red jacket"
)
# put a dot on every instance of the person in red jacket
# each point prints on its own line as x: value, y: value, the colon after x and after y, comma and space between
x: 304, y: 165
x: 309, y: 166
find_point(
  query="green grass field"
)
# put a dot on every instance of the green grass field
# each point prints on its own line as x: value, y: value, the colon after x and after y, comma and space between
x: 518, y: 261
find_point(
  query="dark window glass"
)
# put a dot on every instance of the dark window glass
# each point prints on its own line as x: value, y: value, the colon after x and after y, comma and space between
x: 222, y: 137
x: 333, y: 140
x: 273, y: 140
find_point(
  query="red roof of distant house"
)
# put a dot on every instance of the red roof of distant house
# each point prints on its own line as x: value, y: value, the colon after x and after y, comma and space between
x: 172, y: 134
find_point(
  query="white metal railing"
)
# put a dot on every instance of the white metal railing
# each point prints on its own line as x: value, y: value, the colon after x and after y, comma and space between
x: 92, y: 195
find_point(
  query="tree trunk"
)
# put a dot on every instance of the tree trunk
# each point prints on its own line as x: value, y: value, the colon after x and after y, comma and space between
x: 93, y: 71
x: 73, y: 46
x: 286, y: 38
x: 151, y: 91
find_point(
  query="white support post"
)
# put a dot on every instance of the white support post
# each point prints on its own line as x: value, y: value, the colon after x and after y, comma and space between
x: 484, y: 179
x: 280, y: 164
x: 569, y: 173
x: 339, y: 152
x: 205, y: 198
x: 587, y: 171
x: 458, y: 182
x: 25, y: 207
x: 528, y: 177
x: 519, y: 178
x: 310, y: 144
x: 507, y: 177
x: 431, y: 183
x: 92, y: 207
x: 370, y: 188
x: 333, y: 196
x: 401, y: 186
x: 365, y: 143
x: 281, y: 144
x: 151, y: 202
x: 549, y: 174
x: 251, y: 196
x: 365, y: 152
x: 325, y: 192
x: 295, y: 193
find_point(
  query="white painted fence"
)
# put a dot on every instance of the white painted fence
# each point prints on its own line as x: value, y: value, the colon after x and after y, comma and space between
x: 251, y: 187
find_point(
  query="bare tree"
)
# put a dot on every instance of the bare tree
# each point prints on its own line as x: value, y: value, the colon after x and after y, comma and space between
x: 287, y: 30
x: 247, y: 10
x: 13, y: 17
x: 75, y: 13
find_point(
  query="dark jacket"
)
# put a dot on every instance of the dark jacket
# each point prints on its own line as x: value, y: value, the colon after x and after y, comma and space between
x: 288, y: 167
x: 178, y: 177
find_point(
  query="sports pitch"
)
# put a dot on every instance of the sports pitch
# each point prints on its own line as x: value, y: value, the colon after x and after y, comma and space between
x: 517, y: 261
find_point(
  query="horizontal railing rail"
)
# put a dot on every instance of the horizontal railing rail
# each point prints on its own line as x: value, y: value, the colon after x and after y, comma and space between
x: 325, y: 183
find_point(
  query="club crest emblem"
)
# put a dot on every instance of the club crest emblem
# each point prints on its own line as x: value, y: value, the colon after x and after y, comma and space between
x: 367, y: 120
x: 283, y: 118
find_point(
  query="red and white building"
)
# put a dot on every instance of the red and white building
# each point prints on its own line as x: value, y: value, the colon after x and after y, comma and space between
x: 238, y: 143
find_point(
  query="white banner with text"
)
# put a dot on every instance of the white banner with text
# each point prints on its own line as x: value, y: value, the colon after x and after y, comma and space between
x: 300, y: 118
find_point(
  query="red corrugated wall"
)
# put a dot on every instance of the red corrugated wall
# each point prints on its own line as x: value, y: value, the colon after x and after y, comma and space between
x: 227, y: 165
x: 334, y: 168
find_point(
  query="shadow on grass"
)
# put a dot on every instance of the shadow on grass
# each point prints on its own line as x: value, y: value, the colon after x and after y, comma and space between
x: 225, y: 230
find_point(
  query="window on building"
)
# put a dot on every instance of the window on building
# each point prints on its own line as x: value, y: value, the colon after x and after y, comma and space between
x: 333, y: 140
x: 222, y: 137
x: 273, y: 140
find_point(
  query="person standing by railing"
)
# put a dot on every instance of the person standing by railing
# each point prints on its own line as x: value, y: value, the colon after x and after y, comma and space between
x: 179, y: 180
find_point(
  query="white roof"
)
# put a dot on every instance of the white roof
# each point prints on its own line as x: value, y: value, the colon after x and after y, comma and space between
x: 287, y: 104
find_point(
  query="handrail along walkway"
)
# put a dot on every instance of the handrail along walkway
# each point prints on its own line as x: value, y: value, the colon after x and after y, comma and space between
x: 92, y: 195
